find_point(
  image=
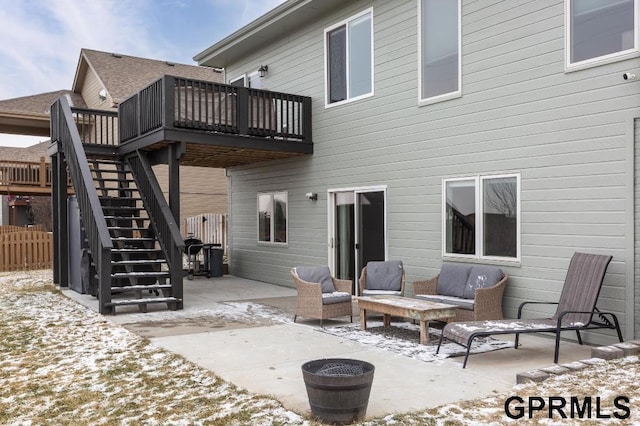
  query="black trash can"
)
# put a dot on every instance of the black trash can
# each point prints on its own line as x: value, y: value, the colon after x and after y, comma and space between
x: 338, y: 389
x: 213, y: 262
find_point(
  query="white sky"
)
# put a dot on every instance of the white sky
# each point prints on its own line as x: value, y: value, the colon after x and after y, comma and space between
x: 41, y: 40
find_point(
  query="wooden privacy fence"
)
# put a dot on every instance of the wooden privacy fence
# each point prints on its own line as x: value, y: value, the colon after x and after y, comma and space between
x: 25, y: 249
x: 210, y: 228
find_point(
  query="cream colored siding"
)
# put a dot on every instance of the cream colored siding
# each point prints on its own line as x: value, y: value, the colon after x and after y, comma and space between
x: 565, y: 133
x: 202, y: 189
x: 90, y: 92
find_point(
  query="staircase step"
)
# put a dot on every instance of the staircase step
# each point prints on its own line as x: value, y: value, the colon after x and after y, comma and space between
x: 172, y: 302
x: 132, y: 239
x: 126, y: 218
x: 140, y: 288
x: 138, y: 262
x: 141, y: 274
x: 126, y: 228
x: 103, y: 179
x: 136, y: 250
x: 105, y: 161
x: 123, y: 208
x: 108, y: 198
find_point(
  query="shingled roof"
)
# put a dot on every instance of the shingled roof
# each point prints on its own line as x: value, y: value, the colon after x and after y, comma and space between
x: 31, y: 153
x: 124, y: 75
x: 121, y: 76
x: 29, y: 115
x: 39, y: 105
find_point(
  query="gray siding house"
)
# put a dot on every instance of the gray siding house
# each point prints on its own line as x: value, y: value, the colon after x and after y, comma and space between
x: 472, y: 130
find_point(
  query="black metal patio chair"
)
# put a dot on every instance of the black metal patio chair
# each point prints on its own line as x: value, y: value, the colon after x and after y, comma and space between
x: 575, y: 311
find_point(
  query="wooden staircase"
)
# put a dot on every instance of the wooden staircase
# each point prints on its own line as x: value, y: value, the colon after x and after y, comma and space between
x: 140, y: 274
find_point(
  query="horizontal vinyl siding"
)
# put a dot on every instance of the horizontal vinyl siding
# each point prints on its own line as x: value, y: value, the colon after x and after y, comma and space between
x: 519, y: 112
x: 202, y: 189
x: 636, y: 198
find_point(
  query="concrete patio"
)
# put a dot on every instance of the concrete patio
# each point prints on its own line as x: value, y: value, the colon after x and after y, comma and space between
x: 266, y: 358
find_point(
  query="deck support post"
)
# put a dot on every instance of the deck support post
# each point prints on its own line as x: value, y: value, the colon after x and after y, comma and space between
x: 60, y: 207
x: 55, y: 217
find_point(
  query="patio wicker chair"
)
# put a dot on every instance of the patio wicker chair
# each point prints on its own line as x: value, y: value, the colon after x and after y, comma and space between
x: 382, y: 278
x: 575, y: 311
x: 320, y: 295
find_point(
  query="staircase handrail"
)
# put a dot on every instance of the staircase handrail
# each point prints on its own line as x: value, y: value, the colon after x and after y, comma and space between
x: 65, y: 134
x: 160, y: 215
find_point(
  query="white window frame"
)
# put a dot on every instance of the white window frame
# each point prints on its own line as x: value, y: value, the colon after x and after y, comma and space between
x: 345, y: 22
x: 600, y: 60
x: 271, y: 194
x: 445, y: 96
x: 479, y: 202
x: 242, y: 77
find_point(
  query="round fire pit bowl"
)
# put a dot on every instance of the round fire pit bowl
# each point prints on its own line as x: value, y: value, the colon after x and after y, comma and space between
x: 338, y: 388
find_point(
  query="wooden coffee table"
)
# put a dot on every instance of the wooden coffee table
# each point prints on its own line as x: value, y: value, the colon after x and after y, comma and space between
x: 405, y: 307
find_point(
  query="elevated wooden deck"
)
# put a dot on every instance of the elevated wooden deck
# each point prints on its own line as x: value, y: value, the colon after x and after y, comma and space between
x: 217, y: 125
x: 25, y: 177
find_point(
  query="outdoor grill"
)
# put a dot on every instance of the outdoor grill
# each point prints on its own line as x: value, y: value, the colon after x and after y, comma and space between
x: 192, y: 246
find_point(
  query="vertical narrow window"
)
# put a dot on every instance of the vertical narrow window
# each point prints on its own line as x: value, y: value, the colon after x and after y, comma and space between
x: 265, y: 214
x: 349, y: 58
x: 337, y: 64
x: 500, y: 216
x: 481, y: 217
x: 272, y: 217
x: 439, y: 49
x: 280, y: 217
x: 601, y: 29
x: 460, y: 216
x: 360, y: 56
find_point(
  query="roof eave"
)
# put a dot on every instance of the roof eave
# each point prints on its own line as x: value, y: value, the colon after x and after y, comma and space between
x: 273, y: 24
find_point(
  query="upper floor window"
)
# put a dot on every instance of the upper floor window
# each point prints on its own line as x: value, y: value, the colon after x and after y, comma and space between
x: 247, y: 80
x: 440, y: 64
x: 481, y: 217
x: 600, y: 30
x: 348, y: 48
x: 272, y: 217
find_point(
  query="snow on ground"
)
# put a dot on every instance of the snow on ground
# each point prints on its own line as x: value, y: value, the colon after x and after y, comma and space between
x: 240, y: 312
x: 61, y: 363
x: 403, y: 338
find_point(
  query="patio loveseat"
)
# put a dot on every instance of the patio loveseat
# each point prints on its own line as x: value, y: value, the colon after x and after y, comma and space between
x: 475, y: 289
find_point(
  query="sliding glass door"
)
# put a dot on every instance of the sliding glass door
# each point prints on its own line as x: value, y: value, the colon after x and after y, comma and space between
x: 357, y: 233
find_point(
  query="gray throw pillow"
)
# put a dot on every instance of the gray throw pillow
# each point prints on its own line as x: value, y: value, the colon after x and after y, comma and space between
x: 453, y: 278
x: 384, y: 275
x: 317, y: 274
x: 481, y: 276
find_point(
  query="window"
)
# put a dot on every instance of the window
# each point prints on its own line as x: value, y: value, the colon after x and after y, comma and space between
x: 349, y: 59
x: 272, y: 217
x: 600, y: 31
x: 481, y: 217
x: 239, y: 81
x: 247, y: 80
x: 439, y: 51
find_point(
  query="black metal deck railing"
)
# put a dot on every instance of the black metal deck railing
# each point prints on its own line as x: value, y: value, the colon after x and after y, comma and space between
x: 181, y: 103
x: 96, y: 127
x: 65, y: 132
x: 162, y: 219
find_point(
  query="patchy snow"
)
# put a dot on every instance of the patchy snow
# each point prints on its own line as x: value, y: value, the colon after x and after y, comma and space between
x: 403, y: 338
x: 64, y: 364
x: 233, y: 311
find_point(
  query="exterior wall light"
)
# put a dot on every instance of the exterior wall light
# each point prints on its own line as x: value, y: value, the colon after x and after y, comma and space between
x: 262, y: 71
x: 313, y: 196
